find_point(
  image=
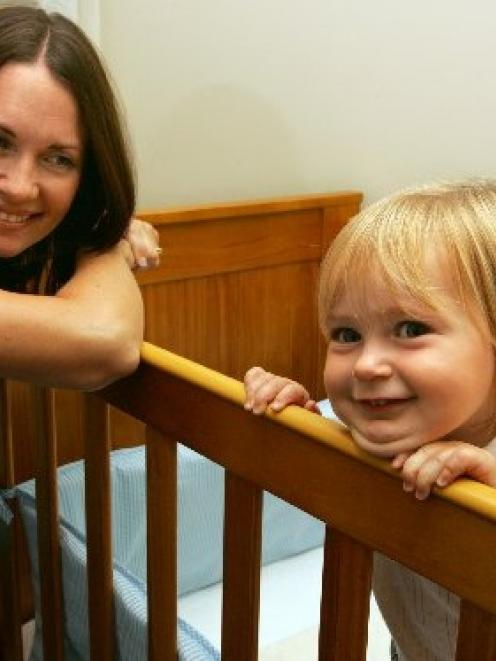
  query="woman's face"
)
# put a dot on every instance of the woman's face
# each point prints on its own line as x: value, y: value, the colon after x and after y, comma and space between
x: 41, y: 153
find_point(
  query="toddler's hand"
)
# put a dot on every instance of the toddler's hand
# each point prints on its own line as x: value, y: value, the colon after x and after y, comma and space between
x: 266, y: 389
x: 143, y: 240
x: 441, y: 462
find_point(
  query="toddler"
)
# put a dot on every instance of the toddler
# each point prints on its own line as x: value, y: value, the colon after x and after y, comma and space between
x: 407, y: 303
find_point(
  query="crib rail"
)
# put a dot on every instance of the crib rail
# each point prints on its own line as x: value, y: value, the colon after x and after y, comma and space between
x: 307, y: 461
x: 311, y: 463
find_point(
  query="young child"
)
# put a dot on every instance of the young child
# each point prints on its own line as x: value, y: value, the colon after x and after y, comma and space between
x: 407, y: 303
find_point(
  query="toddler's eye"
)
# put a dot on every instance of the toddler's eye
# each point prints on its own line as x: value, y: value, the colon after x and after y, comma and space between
x: 409, y: 329
x: 5, y: 143
x: 345, y: 335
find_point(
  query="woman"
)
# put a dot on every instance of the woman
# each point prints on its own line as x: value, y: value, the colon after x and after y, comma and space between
x: 66, y: 197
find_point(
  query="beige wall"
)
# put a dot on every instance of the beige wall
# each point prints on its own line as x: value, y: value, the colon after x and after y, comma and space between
x: 248, y: 98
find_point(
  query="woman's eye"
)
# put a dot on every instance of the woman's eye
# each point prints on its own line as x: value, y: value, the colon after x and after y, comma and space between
x: 409, y: 329
x: 345, y: 335
x: 60, y: 161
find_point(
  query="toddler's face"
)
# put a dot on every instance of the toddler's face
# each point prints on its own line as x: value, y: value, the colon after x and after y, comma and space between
x: 400, y: 380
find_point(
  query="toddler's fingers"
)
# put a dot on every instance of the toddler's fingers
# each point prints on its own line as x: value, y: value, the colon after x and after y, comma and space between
x: 252, y: 374
x: 289, y: 392
x: 421, y: 468
x: 426, y: 477
x: 399, y: 460
x: 273, y: 389
x: 418, y: 458
x: 254, y: 378
x: 468, y: 460
x: 311, y: 405
x: 261, y: 389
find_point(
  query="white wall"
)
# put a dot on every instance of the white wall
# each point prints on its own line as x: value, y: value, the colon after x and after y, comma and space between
x: 235, y: 99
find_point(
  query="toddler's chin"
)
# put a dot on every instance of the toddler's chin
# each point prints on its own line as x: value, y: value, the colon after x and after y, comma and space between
x: 385, y: 449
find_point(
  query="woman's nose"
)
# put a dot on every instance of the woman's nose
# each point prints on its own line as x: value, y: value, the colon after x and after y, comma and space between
x: 18, y: 181
x: 372, y: 363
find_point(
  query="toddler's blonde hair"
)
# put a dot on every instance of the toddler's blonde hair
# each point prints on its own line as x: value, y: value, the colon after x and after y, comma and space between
x: 392, y: 240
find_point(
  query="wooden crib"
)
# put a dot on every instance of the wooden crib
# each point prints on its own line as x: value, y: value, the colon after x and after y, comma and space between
x: 236, y: 288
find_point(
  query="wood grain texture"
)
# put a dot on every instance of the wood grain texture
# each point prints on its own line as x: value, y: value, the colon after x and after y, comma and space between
x: 161, y: 486
x: 47, y: 525
x: 241, y: 569
x: 344, y: 613
x: 10, y: 607
x: 476, y: 634
x: 98, y: 528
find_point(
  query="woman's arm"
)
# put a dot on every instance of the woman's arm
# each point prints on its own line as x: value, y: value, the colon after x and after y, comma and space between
x: 84, y: 337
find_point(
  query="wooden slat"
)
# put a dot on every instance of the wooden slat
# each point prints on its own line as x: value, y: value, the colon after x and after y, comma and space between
x: 344, y: 611
x: 98, y: 528
x: 10, y: 615
x: 161, y: 471
x: 10, y: 607
x: 241, y: 578
x: 47, y: 526
x: 6, y: 445
x: 476, y: 634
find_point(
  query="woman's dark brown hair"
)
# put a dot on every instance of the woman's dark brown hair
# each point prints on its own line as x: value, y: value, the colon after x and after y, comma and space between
x: 104, y: 202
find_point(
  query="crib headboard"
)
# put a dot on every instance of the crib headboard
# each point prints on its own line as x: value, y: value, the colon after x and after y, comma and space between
x: 236, y: 288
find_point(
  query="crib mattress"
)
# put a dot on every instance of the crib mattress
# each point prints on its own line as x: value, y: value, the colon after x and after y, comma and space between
x: 289, y: 611
x: 286, y: 531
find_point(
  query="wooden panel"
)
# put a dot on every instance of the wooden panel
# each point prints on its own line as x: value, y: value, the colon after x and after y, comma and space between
x: 98, y: 529
x: 161, y: 472
x: 241, y: 575
x: 241, y: 320
x: 280, y: 460
x: 344, y: 612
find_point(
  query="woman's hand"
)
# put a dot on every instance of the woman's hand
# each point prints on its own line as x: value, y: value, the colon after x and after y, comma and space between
x: 441, y: 462
x: 143, y: 250
x: 266, y: 389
